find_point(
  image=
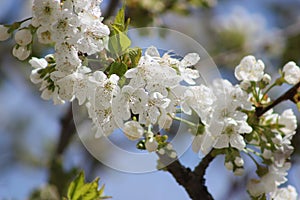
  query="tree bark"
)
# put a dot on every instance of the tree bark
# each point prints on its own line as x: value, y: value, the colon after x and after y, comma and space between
x: 192, y: 181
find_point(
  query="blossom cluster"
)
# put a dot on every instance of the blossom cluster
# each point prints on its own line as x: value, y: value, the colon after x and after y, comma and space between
x: 148, y: 97
x: 272, y: 133
x: 75, y: 28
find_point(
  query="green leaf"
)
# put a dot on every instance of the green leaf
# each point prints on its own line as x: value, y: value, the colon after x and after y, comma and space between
x: 118, y: 43
x: 125, y: 42
x: 118, y: 69
x: 120, y: 18
x: 75, y: 185
x: 80, y: 190
x: 135, y: 55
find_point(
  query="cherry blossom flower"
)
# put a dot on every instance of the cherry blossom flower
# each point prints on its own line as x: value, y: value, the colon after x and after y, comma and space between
x: 250, y: 69
x: 291, y: 73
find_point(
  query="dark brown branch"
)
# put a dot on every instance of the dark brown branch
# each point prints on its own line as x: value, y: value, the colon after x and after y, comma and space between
x: 201, y: 168
x: 192, y: 181
x: 66, y: 132
x: 179, y: 172
x: 289, y: 95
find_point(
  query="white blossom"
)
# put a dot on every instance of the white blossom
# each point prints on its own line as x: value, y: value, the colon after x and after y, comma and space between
x: 37, y: 64
x: 103, y: 119
x: 153, y: 110
x: 65, y: 85
x: 49, y: 94
x: 270, y: 181
x: 67, y: 59
x: 286, y: 193
x: 188, y: 74
x: 103, y: 88
x: 200, y: 99
x: 250, y: 69
x: 65, y: 26
x: 81, y: 85
x: 289, y: 121
x: 44, y: 35
x: 45, y: 11
x: 127, y: 101
x: 93, y: 33
x: 291, y: 73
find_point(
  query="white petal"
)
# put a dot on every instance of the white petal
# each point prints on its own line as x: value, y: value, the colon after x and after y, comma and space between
x: 152, y: 52
x: 38, y: 63
x: 197, y: 143
x: 222, y: 142
x: 190, y: 59
x: 207, y: 144
x: 244, y: 127
x: 186, y: 109
x: 237, y: 141
x: 46, y: 94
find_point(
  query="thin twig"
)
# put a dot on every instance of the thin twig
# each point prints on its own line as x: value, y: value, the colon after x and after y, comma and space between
x: 289, y: 95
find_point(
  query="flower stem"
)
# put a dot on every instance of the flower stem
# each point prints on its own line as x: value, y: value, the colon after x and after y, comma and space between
x: 24, y: 20
x: 269, y: 88
x: 184, y: 121
x: 286, y: 96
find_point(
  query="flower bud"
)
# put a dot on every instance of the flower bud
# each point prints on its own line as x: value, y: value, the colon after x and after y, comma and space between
x: 266, y: 79
x: 161, y: 151
x: 4, y: 35
x: 245, y: 85
x: 173, y: 154
x: 21, y: 52
x: 238, y: 161
x: 169, y: 146
x: 23, y: 37
x: 229, y: 166
x: 151, y: 145
x: 133, y: 130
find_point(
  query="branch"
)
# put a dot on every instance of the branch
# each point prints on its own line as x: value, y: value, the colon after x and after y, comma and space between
x: 289, y: 95
x: 192, y: 181
x: 201, y: 168
x: 178, y: 171
x: 66, y: 132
